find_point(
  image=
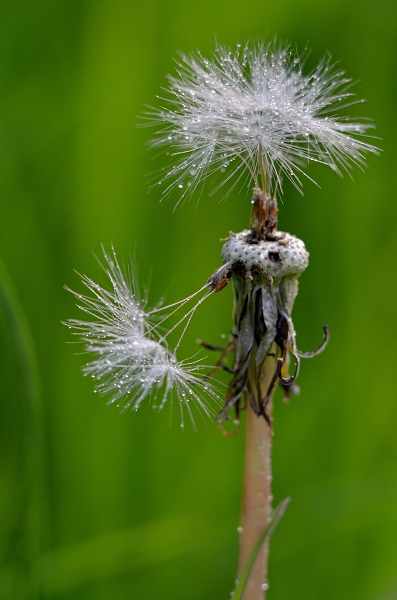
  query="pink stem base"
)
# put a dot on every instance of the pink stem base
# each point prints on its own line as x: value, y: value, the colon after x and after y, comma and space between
x: 256, y: 502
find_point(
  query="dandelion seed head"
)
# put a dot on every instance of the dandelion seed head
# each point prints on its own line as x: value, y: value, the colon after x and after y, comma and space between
x: 284, y: 256
x: 132, y: 360
x: 255, y: 107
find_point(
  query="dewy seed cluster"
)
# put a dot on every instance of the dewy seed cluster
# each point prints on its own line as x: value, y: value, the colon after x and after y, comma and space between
x: 133, y: 360
x: 249, y: 115
x: 255, y: 110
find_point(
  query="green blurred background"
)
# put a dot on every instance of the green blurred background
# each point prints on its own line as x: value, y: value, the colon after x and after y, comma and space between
x: 98, y: 505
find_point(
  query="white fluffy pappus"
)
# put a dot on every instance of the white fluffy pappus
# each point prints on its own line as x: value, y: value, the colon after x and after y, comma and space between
x: 133, y: 361
x: 256, y: 109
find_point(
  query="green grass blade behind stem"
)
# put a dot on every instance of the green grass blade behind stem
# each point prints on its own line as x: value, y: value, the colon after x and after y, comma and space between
x: 34, y: 440
x: 266, y: 533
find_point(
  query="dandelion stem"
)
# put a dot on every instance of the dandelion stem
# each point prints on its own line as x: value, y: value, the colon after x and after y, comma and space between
x: 256, y: 508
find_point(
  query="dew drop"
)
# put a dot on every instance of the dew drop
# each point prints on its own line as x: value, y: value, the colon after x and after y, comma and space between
x: 265, y: 586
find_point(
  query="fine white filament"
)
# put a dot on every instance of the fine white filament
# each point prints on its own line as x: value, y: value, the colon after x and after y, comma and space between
x: 132, y: 359
x: 256, y: 110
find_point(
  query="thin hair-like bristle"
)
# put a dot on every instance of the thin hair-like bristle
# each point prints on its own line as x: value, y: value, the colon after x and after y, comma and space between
x: 132, y: 359
x: 255, y: 108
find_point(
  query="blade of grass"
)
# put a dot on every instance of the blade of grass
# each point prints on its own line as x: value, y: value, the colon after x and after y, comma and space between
x: 117, y: 552
x: 266, y: 533
x: 34, y: 439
